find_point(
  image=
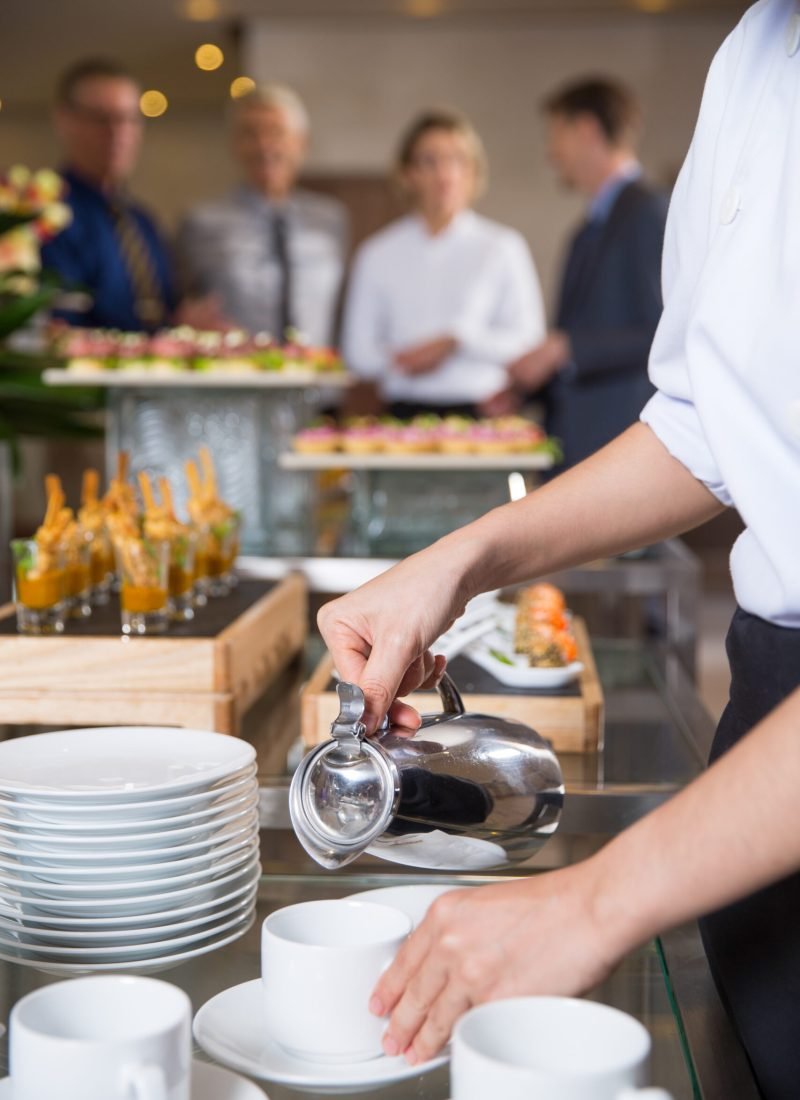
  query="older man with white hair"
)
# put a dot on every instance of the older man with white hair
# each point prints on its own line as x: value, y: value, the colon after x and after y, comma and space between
x: 272, y: 255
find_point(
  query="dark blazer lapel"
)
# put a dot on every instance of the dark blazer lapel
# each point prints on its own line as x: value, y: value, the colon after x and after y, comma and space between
x: 576, y: 289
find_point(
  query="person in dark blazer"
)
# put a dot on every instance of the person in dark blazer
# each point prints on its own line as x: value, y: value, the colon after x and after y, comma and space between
x: 591, y: 370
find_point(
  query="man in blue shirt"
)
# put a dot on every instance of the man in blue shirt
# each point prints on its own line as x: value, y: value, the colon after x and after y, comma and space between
x: 113, y: 249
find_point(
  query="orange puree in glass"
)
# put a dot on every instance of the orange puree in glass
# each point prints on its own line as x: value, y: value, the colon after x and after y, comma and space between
x: 137, y: 598
x: 180, y: 581
x: 77, y: 577
x: 43, y: 591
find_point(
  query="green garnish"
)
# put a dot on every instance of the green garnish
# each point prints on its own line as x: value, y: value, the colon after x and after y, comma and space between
x: 498, y: 656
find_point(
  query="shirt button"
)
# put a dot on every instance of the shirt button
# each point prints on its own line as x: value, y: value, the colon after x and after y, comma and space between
x: 793, y: 35
x: 731, y: 202
x: 794, y: 419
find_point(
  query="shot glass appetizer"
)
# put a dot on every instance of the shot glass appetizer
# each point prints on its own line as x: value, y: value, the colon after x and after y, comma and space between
x: 143, y: 567
x: 39, y: 587
x: 60, y: 531
x: 160, y: 524
x: 218, y: 529
x: 92, y: 518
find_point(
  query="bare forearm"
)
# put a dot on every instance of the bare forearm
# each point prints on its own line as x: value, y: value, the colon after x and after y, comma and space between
x: 729, y: 833
x: 630, y: 494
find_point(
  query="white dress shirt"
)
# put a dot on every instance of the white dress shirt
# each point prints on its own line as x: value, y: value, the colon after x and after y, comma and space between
x: 726, y: 356
x: 474, y: 281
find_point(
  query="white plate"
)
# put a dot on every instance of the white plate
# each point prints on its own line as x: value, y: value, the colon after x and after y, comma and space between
x: 39, y: 886
x: 119, y: 763
x: 208, y: 1083
x: 67, y: 855
x: 27, y: 958
x: 519, y: 673
x: 157, y: 919
x: 220, y: 379
x: 36, y: 873
x: 231, y: 1028
x: 414, y: 900
x: 93, y: 937
x: 117, y: 952
x: 152, y: 834
x: 127, y: 906
x: 18, y: 808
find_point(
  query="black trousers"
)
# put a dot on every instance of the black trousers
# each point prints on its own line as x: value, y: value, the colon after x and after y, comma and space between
x: 753, y: 947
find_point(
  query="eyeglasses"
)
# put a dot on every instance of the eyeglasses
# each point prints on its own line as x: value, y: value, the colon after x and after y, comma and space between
x: 110, y: 119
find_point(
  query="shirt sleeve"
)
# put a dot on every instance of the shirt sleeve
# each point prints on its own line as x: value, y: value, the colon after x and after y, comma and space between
x: 365, y: 330
x: 517, y: 323
x: 671, y: 412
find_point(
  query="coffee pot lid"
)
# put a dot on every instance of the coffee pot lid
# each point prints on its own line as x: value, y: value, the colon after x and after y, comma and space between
x: 345, y: 792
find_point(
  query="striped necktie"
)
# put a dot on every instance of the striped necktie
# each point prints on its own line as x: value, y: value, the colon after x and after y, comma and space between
x: 138, y: 260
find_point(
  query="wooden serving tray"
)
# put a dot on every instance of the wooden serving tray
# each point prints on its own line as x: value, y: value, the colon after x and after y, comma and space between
x: 203, y: 674
x: 571, y: 717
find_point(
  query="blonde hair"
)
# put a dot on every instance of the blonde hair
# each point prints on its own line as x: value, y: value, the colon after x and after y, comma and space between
x: 278, y: 96
x: 451, y: 122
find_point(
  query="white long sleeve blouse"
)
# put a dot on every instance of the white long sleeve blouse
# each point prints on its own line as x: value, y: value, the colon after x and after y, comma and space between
x: 726, y: 356
x: 474, y: 281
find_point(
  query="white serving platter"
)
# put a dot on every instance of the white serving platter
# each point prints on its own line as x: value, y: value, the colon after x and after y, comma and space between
x: 342, y: 460
x: 199, y: 380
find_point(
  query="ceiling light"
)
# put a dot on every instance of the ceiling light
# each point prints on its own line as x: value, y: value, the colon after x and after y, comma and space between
x: 424, y: 9
x: 201, y: 11
x: 208, y: 57
x: 153, y: 103
x: 653, y: 7
x: 241, y: 86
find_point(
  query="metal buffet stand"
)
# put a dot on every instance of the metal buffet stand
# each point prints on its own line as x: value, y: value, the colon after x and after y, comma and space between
x: 246, y: 419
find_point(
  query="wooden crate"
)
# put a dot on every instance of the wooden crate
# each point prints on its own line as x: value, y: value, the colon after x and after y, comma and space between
x: 572, y: 718
x: 203, y: 674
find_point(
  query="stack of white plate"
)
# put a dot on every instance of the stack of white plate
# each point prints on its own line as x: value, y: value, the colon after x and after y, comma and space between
x: 125, y: 848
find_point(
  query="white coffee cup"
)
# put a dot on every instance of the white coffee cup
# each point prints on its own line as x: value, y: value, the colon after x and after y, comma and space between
x: 550, y: 1048
x: 320, y: 961
x: 102, y: 1038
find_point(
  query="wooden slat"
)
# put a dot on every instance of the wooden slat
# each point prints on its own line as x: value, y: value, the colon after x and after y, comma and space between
x: 260, y: 643
x: 204, y: 710
x: 205, y: 682
x: 61, y: 662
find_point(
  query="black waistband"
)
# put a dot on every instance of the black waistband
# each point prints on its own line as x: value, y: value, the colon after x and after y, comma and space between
x: 765, y: 669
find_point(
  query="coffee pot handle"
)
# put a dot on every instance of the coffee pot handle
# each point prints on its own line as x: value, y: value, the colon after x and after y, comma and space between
x: 452, y: 703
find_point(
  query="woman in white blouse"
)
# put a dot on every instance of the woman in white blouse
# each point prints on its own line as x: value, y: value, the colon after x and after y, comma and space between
x: 722, y: 430
x: 442, y: 299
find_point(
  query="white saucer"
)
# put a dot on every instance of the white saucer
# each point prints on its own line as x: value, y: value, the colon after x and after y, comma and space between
x: 208, y: 1083
x: 126, y: 920
x: 147, y: 832
x: 231, y: 1028
x: 119, y: 764
x: 414, y: 900
x: 141, y: 966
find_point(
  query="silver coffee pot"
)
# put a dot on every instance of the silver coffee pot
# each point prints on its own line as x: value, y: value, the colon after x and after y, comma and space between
x: 466, y: 792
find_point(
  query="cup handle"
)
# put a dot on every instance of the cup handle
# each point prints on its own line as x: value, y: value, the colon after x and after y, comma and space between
x: 144, y: 1083
x: 644, y: 1094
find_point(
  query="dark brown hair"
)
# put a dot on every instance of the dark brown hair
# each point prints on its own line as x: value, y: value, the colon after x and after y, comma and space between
x: 614, y: 106
x: 92, y: 68
x: 452, y: 123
